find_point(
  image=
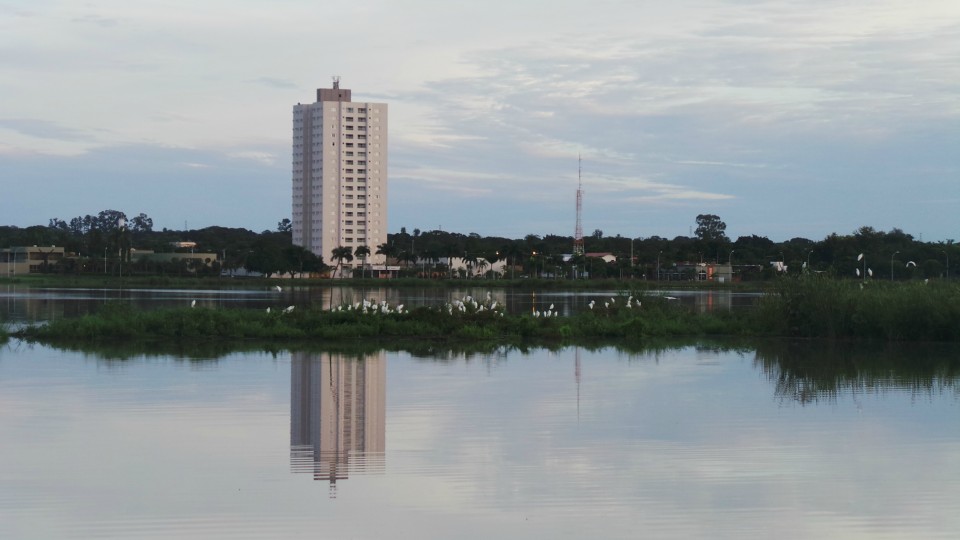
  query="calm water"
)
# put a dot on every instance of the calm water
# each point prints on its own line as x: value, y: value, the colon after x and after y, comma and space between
x: 785, y: 440
x: 19, y: 303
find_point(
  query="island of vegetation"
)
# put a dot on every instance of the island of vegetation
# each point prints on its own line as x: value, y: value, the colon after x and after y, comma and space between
x: 808, y: 307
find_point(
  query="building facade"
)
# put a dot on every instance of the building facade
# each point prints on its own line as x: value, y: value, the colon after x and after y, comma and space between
x: 340, y: 175
x: 29, y: 259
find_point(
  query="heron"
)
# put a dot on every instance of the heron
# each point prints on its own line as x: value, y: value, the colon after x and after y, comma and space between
x: 268, y: 310
x: 193, y: 304
x: 278, y: 288
x: 288, y: 309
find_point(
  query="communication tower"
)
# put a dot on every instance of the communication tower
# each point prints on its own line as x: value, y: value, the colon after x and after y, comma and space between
x: 578, y: 234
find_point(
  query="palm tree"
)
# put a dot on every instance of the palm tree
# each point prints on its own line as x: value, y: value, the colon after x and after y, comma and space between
x: 341, y: 253
x: 362, y: 252
x: 387, y: 250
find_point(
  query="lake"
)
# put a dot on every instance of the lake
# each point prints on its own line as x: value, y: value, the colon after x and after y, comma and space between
x: 681, y: 440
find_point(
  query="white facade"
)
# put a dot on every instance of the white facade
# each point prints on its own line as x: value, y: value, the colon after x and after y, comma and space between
x: 340, y: 175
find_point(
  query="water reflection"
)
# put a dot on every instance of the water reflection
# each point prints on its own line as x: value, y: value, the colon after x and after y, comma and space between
x: 337, y: 414
x: 812, y: 371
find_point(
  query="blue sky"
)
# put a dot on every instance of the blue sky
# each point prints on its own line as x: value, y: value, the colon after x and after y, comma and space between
x: 784, y: 118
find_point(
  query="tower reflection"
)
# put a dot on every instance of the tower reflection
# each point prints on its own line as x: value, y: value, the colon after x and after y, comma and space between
x: 337, y: 414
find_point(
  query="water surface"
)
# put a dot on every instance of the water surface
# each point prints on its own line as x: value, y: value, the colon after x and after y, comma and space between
x: 785, y: 440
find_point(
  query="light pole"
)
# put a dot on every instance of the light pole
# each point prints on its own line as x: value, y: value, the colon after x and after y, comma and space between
x: 948, y: 262
x: 808, y: 259
x: 891, y: 264
x: 658, y: 265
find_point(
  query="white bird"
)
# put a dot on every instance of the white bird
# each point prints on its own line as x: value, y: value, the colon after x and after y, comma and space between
x: 278, y: 288
x: 613, y: 300
x: 858, y: 272
x: 606, y: 305
x: 399, y: 308
x: 193, y: 304
x: 268, y: 310
x: 551, y: 307
x: 288, y: 309
x: 670, y: 297
x: 911, y: 263
x: 870, y: 272
x: 860, y: 257
x: 590, y: 305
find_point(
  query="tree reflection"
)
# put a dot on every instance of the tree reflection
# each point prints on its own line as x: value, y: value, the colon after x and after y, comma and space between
x: 813, y: 371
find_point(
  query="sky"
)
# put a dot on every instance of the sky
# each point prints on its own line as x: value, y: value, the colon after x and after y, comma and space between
x: 785, y: 118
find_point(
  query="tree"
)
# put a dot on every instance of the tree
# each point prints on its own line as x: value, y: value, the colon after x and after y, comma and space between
x: 340, y: 254
x: 141, y: 224
x: 711, y: 229
x: 362, y: 252
x: 284, y: 225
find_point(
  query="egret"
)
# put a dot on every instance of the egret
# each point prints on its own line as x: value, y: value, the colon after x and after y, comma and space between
x: 590, y: 304
x: 911, y: 263
x: 551, y: 307
x: 870, y: 272
x: 268, y: 310
x: 860, y: 257
x: 670, y: 297
x: 288, y: 309
x: 858, y: 272
x: 278, y: 288
x: 193, y: 304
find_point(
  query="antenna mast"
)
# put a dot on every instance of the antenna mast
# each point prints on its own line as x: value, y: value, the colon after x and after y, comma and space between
x: 578, y: 234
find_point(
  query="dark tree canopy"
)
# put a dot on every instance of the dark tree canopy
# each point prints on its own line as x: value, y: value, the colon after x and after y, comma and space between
x: 711, y: 229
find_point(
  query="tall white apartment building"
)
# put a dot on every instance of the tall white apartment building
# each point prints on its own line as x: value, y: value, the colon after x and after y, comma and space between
x: 340, y: 175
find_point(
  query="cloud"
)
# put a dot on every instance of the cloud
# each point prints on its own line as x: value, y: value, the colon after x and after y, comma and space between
x: 274, y: 82
x: 43, y: 129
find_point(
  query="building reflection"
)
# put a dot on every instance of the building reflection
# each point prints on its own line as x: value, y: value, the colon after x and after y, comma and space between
x: 337, y: 414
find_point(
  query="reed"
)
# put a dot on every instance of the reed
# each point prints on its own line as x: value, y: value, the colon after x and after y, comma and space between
x: 810, y: 307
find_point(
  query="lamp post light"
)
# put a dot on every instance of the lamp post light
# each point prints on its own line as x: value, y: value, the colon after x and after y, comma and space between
x: 891, y: 264
x: 808, y: 259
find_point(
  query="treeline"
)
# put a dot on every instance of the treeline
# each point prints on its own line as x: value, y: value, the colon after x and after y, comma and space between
x: 111, y: 237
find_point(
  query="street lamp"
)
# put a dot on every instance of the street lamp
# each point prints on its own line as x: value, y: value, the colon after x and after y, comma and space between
x: 948, y: 262
x: 808, y: 259
x: 730, y: 260
x: 658, y: 265
x: 891, y: 264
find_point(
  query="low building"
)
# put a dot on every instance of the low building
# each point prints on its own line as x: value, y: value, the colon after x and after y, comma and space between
x: 29, y: 259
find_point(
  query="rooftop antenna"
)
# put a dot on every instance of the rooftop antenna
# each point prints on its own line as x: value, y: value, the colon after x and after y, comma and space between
x: 578, y: 233
x: 336, y: 82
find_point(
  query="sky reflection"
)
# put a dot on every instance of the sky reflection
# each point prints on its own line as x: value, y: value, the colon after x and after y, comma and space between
x: 677, y: 443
